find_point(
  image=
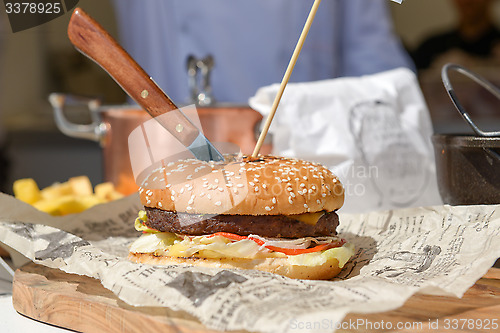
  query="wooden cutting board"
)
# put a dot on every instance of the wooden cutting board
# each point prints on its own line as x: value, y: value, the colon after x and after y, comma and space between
x: 82, y: 304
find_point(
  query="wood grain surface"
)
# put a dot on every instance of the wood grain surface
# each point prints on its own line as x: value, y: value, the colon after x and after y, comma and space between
x: 81, y: 303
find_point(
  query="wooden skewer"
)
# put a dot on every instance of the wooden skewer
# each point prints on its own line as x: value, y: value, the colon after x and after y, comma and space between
x: 286, y: 77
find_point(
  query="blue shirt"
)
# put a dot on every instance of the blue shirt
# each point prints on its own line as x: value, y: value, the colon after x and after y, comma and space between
x: 252, y: 41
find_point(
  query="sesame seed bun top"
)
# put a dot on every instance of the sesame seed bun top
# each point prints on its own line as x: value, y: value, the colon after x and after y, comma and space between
x: 265, y: 186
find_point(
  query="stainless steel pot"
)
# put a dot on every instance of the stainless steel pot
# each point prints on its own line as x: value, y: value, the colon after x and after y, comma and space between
x: 112, y: 125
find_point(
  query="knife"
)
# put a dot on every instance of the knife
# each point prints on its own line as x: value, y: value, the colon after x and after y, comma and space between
x: 96, y: 43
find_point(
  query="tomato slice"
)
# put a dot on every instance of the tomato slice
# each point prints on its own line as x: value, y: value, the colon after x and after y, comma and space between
x: 291, y: 252
x: 228, y: 235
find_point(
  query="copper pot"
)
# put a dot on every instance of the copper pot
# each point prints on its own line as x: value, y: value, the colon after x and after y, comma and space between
x: 112, y: 125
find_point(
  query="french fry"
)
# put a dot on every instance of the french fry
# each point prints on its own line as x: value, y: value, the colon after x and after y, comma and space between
x: 50, y: 206
x: 27, y: 190
x: 71, y: 197
x: 106, y: 191
x: 56, y: 190
x: 80, y: 185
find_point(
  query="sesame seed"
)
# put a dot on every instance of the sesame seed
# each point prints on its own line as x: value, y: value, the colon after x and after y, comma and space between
x: 202, y: 194
x: 290, y: 200
x: 181, y: 190
x: 264, y: 185
x: 268, y: 208
x: 302, y: 185
x: 173, y: 192
x: 306, y: 206
x: 235, y: 191
x: 160, y: 204
x: 216, y: 181
x: 220, y: 189
x: 256, y: 189
x: 239, y: 185
x: 292, y: 194
x: 274, y: 200
x: 189, y: 208
x: 209, y: 196
x: 218, y: 203
x: 305, y: 177
x: 172, y: 198
x: 323, y: 195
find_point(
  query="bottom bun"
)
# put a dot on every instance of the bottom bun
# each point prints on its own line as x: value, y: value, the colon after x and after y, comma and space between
x: 280, y: 266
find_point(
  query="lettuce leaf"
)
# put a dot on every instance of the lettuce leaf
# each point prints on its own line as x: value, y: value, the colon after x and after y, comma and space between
x: 140, y: 223
x: 342, y: 254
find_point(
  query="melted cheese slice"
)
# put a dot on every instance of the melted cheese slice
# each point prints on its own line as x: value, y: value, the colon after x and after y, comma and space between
x: 308, y: 218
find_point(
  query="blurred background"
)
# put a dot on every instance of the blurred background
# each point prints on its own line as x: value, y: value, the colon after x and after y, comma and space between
x: 41, y: 60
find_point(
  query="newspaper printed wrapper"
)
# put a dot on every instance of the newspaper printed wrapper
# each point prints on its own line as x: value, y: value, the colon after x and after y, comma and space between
x: 439, y: 250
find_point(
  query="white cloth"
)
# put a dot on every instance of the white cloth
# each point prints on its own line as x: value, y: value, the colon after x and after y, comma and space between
x: 252, y: 41
x: 373, y: 131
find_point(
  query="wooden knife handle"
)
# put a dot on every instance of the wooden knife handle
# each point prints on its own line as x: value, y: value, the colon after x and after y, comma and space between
x: 90, y: 38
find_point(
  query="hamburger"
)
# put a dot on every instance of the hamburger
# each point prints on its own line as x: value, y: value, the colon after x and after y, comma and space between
x: 272, y: 214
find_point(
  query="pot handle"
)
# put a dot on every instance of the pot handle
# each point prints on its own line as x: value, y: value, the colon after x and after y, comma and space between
x: 94, y: 131
x: 495, y: 91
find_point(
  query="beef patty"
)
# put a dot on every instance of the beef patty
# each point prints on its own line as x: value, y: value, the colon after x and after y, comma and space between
x: 244, y: 225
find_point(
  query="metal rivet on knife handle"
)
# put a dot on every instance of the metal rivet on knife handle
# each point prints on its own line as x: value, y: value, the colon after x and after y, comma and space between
x: 144, y: 94
x: 179, y: 128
